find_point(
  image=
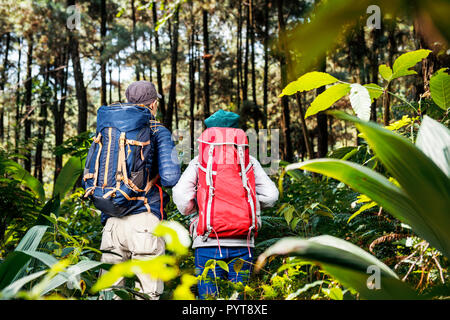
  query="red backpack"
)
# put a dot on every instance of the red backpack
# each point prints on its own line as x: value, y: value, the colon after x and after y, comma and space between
x: 226, y: 185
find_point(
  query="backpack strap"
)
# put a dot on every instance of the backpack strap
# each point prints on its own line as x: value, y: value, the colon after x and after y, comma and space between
x: 246, y: 187
x: 209, y: 182
x: 154, y: 125
x: 121, y: 173
x: 97, y: 160
x: 138, y: 143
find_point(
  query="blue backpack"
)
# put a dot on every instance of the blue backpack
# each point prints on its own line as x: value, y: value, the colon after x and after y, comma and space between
x: 119, y: 161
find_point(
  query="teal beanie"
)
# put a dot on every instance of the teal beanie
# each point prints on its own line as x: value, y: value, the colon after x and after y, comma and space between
x: 223, y: 118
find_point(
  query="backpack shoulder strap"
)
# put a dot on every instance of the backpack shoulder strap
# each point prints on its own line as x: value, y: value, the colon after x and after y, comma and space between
x: 154, y: 125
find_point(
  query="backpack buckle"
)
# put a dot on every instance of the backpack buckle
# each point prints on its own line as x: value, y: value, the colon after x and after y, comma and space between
x: 206, y: 235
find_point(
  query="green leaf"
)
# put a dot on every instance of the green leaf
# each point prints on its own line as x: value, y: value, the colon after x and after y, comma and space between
x: 308, y: 81
x: 16, y: 261
x: 327, y: 98
x: 32, y: 238
x: 51, y: 207
x: 423, y: 198
x: 434, y: 140
x: 360, y: 101
x: 304, y: 289
x: 363, y: 180
x: 183, y: 291
x: 425, y: 184
x: 16, y: 171
x: 175, y: 235
x: 237, y: 265
x: 29, y: 242
x: 15, y: 286
x: 11, y: 266
x: 363, y: 208
x: 440, y: 88
x: 334, y: 293
x: 68, y: 176
x: 346, y: 262
x: 288, y: 212
x: 161, y: 267
x: 340, y: 152
x: 223, y: 265
x: 406, y: 61
x: 375, y: 91
x: 385, y: 71
x: 71, y: 273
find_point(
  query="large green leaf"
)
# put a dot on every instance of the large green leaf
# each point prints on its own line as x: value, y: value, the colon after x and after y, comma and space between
x: 407, y: 60
x: 308, y: 81
x: 426, y: 185
x: 16, y: 260
x: 326, y: 99
x: 423, y: 199
x: 367, y: 182
x: 16, y: 171
x: 440, y: 88
x: 71, y: 274
x: 11, y: 266
x: 14, y: 287
x: 350, y: 264
x: 31, y: 239
x: 29, y: 242
x: 434, y: 140
x: 68, y: 176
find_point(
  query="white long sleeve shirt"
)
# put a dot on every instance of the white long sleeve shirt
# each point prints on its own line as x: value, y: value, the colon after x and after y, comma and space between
x: 184, y: 194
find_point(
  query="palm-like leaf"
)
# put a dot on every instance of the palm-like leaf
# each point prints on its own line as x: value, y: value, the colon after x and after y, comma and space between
x: 346, y: 262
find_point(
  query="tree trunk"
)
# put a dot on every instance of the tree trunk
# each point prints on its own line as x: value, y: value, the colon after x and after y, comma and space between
x: 322, y: 123
x: 285, y: 115
x: 306, y: 138
x: 58, y: 109
x: 27, y: 101
x: 110, y: 83
x: 133, y: 19
x: 103, y: 16
x: 239, y: 57
x: 246, y: 57
x: 266, y: 63
x: 150, y: 52
x: 173, y: 75
x: 2, y: 85
x: 119, y: 86
x: 206, y: 59
x: 386, y: 97
x: 44, y: 100
x: 252, y: 41
x: 162, y: 105
x: 192, y: 69
x: 18, y: 102
x: 79, y: 81
x: 377, y: 34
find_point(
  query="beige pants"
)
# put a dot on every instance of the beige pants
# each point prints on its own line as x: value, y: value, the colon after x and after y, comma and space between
x: 131, y: 237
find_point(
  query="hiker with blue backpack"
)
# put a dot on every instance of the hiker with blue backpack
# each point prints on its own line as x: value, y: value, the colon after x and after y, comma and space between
x: 226, y: 187
x: 131, y: 160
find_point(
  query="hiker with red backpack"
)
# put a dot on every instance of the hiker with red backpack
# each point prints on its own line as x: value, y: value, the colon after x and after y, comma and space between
x: 227, y: 187
x: 130, y: 160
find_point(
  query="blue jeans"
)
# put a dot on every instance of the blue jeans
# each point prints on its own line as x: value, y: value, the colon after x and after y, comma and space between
x: 230, y: 255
